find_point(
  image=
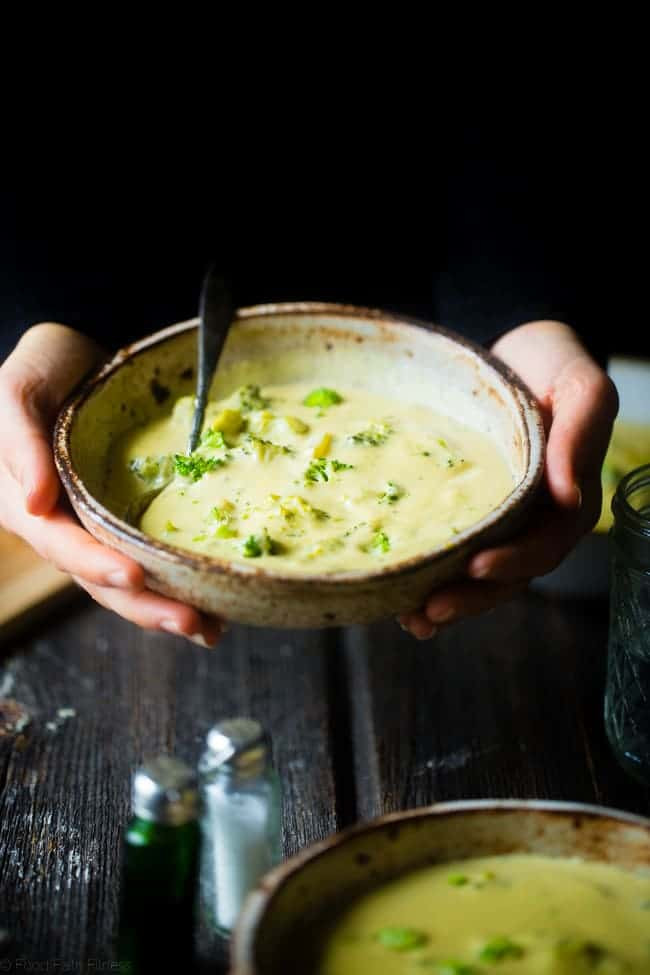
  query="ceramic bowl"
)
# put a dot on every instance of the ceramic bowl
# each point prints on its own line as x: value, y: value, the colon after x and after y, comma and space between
x: 278, y: 915
x: 307, y: 342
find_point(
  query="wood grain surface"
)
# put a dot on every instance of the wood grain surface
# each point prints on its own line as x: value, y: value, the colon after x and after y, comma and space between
x: 28, y: 583
x: 363, y: 721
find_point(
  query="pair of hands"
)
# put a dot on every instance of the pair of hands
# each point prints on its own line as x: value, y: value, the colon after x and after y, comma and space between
x: 577, y: 399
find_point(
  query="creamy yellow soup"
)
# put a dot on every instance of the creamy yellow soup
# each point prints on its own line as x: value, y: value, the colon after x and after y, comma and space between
x: 309, y: 480
x: 509, y: 915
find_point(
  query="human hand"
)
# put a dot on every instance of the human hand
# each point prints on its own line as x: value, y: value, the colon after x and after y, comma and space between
x: 579, y: 404
x: 35, y: 379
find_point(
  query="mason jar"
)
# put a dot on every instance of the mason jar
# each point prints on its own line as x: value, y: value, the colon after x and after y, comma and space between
x: 627, y: 691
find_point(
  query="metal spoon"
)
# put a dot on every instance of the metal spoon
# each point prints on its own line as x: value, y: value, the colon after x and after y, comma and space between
x: 216, y: 311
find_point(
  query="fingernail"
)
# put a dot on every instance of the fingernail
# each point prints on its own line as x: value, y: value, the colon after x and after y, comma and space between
x: 171, y: 626
x: 430, y: 636
x: 578, y: 495
x: 119, y: 579
x: 201, y: 641
x: 480, y: 571
x: 440, y: 614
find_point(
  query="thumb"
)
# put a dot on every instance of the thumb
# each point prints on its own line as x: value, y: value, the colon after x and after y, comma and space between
x: 584, y: 403
x: 43, y: 369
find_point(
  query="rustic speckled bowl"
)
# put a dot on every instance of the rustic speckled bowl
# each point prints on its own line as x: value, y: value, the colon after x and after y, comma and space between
x: 312, y: 342
x: 276, y: 928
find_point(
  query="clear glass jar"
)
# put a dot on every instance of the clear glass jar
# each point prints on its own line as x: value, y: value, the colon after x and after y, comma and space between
x: 627, y: 692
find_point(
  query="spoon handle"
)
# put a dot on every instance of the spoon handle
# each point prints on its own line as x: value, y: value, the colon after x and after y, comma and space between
x: 216, y: 311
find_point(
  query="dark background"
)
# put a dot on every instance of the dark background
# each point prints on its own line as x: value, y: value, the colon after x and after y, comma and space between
x: 513, y: 225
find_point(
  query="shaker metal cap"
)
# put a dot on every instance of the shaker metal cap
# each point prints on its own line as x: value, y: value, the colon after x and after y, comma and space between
x: 237, y: 744
x: 165, y: 790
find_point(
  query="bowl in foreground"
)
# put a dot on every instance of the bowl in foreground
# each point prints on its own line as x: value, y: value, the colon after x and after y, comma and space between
x: 299, y: 342
x: 311, y: 886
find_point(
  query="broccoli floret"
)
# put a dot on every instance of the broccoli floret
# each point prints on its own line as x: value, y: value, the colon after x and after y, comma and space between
x: 322, y: 398
x: 154, y: 471
x: 380, y: 542
x: 265, y: 449
x: 250, y: 398
x: 195, y: 466
x: 214, y: 439
x: 392, y: 493
x: 374, y: 436
x: 256, y: 545
x: 499, y: 948
x: 317, y: 471
x: 401, y: 939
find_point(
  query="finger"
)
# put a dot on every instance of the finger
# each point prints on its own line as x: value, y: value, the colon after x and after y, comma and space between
x: 418, y: 626
x: 542, y: 547
x: 25, y: 447
x: 468, y: 599
x: 153, y: 612
x: 35, y: 379
x: 59, y: 539
x: 584, y: 406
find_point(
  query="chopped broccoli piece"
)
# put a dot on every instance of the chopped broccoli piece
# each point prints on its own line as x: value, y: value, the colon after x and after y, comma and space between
x: 225, y: 531
x: 322, y: 398
x: 256, y: 545
x: 401, y: 939
x: 374, y: 436
x: 250, y: 398
x: 452, y: 967
x: 252, y: 548
x: 152, y: 470
x: 380, y: 542
x: 199, y: 538
x: 295, y: 505
x: 317, y: 471
x: 265, y: 449
x: 499, y: 948
x: 457, y: 879
x: 195, y: 466
x: 224, y: 513
x: 579, y: 950
x: 170, y: 527
x: 392, y: 493
x: 213, y: 439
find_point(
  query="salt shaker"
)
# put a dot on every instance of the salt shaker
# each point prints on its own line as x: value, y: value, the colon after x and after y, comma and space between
x: 240, y: 820
x: 627, y: 692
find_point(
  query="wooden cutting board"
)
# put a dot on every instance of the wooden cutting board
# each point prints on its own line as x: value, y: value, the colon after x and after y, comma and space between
x: 27, y: 582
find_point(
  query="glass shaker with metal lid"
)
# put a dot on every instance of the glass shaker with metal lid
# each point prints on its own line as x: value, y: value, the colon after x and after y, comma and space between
x: 240, y: 819
x: 160, y: 869
x: 627, y: 692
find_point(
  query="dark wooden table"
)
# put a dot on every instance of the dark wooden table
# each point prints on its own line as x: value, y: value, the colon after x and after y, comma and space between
x: 363, y: 721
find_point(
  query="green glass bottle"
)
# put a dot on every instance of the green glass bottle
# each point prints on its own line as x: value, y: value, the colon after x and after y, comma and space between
x: 159, y: 870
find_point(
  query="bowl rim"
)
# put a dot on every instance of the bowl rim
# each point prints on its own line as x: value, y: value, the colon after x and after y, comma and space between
x: 271, y: 884
x: 99, y: 514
